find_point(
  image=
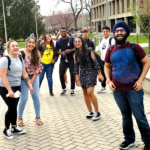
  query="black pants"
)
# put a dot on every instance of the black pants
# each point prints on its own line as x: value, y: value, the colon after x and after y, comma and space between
x: 11, y: 114
x: 62, y: 68
x: 103, y: 84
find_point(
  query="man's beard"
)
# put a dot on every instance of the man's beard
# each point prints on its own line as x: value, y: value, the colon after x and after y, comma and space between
x: 64, y: 36
x: 122, y: 41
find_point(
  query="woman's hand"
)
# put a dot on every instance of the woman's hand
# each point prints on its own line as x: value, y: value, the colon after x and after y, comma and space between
x: 53, y: 62
x: 100, y: 77
x: 78, y: 83
x: 138, y: 86
x: 11, y: 94
x: 31, y: 90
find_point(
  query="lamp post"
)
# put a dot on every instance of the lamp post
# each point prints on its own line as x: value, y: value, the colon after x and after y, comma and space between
x: 36, y: 20
x: 4, y: 21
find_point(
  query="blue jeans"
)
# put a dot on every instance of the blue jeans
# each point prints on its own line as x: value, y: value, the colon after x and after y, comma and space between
x: 49, y: 71
x: 132, y: 102
x: 24, y: 97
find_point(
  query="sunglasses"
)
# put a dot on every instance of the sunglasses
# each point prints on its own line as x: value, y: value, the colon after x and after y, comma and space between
x: 121, y: 30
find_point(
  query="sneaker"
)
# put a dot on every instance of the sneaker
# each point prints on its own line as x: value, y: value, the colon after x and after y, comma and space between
x: 63, y: 91
x: 8, y: 134
x: 89, y: 115
x: 101, y: 90
x: 126, y: 145
x: 72, y: 92
x: 147, y: 147
x: 77, y: 88
x: 96, y: 116
x: 17, y: 130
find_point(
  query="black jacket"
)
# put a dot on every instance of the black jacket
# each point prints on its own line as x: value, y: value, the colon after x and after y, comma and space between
x: 42, y: 48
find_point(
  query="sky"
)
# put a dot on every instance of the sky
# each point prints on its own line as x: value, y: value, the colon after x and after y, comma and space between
x: 46, y: 7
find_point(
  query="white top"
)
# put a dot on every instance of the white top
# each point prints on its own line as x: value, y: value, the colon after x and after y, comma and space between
x: 103, y: 46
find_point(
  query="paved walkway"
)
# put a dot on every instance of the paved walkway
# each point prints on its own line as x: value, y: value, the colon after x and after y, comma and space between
x: 65, y: 126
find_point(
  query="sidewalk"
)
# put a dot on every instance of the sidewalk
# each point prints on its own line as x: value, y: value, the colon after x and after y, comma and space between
x: 65, y: 126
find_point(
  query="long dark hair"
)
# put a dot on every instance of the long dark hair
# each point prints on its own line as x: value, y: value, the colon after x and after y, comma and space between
x: 81, y: 55
x: 35, y: 53
x: 51, y: 42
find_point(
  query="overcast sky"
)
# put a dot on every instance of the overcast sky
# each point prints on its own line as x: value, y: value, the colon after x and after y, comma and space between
x: 47, y: 7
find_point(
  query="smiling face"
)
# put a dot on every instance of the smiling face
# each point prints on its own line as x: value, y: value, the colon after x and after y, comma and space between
x: 120, y: 36
x: 120, y: 33
x: 30, y: 45
x: 13, y: 48
x: 63, y: 33
x: 78, y: 43
x: 48, y: 38
x: 106, y: 33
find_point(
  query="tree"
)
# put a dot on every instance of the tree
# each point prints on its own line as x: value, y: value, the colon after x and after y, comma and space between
x: 64, y: 19
x: 20, y: 19
x: 141, y: 16
x: 87, y: 6
x: 75, y: 7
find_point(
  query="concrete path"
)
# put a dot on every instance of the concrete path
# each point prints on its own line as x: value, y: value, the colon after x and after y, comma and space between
x: 65, y: 126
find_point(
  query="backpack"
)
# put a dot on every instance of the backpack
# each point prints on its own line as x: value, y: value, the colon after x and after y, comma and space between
x: 9, y: 60
x: 110, y: 39
x: 134, y: 52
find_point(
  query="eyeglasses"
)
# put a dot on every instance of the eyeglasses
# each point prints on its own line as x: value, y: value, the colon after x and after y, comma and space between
x: 121, y: 30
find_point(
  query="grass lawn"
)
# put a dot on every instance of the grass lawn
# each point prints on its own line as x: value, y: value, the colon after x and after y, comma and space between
x: 21, y: 45
x: 131, y: 38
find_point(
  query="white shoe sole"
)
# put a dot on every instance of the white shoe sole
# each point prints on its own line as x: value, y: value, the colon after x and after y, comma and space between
x: 9, y: 138
x: 23, y: 132
x: 101, y: 91
x: 131, y: 145
x: 94, y: 119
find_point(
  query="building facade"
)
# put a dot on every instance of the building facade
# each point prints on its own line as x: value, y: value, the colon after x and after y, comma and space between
x: 108, y: 12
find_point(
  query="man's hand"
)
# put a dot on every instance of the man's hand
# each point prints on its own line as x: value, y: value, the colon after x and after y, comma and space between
x: 112, y: 86
x: 63, y: 53
x: 67, y: 51
x: 138, y: 86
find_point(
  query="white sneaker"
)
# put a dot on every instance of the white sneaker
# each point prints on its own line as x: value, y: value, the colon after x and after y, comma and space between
x: 8, y: 134
x: 101, y: 90
x: 72, y: 92
x: 77, y: 88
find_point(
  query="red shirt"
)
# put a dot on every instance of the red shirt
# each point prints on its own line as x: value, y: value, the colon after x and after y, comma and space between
x: 125, y: 69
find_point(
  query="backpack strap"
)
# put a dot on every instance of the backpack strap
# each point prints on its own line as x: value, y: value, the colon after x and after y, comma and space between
x: 20, y: 58
x: 136, y: 55
x: 110, y: 50
x: 9, y: 62
x: 110, y: 39
x: 100, y: 40
x: 23, y: 54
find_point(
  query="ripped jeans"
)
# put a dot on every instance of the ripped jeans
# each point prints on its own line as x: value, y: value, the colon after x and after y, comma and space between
x: 48, y: 68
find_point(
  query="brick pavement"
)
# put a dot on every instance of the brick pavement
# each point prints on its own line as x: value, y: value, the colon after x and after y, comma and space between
x: 65, y: 126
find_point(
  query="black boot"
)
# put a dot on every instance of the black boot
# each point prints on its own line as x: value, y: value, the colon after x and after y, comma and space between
x: 51, y: 92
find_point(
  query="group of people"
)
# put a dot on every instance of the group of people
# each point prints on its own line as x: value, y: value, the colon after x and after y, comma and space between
x: 121, y: 64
